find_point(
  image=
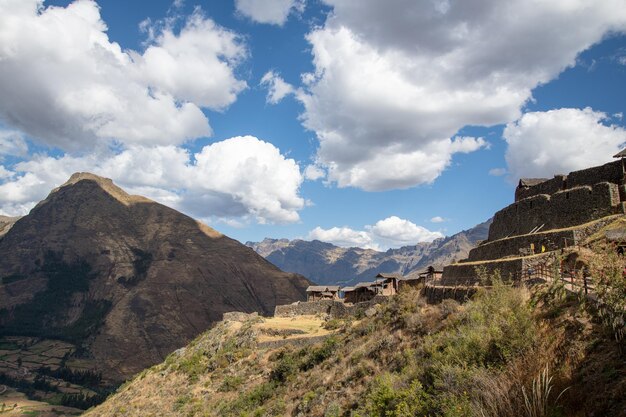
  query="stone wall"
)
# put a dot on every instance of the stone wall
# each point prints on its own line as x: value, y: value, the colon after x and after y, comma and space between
x: 335, y: 309
x: 510, y: 269
x: 435, y: 295
x: 547, y: 187
x: 612, y: 172
x: 565, y: 208
x: 465, y: 273
x: 520, y: 245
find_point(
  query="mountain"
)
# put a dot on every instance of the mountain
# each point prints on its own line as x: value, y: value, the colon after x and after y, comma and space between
x: 124, y: 279
x: 6, y: 223
x: 326, y: 263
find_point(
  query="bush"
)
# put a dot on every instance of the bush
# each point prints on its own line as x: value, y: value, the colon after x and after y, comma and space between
x: 387, y: 397
x: 495, y: 326
x: 607, y: 267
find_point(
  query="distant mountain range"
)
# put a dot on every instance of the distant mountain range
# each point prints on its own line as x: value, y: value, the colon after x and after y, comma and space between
x: 123, y: 278
x: 325, y: 263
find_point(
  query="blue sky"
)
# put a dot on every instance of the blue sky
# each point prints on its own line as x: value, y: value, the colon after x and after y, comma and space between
x: 378, y: 124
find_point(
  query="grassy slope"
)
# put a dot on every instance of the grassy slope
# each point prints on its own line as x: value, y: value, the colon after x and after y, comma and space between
x: 408, y: 359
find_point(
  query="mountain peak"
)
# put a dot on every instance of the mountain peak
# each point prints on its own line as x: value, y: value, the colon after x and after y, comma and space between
x: 127, y: 282
x: 105, y: 184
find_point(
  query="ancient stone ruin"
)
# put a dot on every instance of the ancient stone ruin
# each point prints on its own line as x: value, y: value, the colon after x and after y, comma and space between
x: 547, y: 215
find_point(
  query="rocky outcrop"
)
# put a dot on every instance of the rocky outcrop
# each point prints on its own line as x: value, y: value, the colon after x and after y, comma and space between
x: 128, y: 279
x: 6, y: 223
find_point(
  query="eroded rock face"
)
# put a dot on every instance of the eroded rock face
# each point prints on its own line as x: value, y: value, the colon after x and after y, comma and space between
x: 129, y: 279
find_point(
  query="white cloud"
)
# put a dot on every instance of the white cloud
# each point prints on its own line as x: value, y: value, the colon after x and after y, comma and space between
x: 437, y: 219
x: 255, y: 172
x: 12, y: 143
x: 399, y: 232
x: 277, y: 88
x: 313, y: 172
x: 497, y: 172
x: 273, y: 12
x: 343, y: 236
x: 392, y: 232
x: 542, y: 144
x: 238, y: 178
x: 64, y: 83
x: 394, y: 82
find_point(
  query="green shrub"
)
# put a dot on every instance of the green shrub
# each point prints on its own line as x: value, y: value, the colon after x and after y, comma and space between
x: 607, y: 271
x: 495, y: 326
x: 230, y: 383
x: 387, y: 397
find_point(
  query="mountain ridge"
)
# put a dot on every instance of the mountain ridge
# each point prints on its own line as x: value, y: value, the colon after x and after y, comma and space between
x: 326, y: 263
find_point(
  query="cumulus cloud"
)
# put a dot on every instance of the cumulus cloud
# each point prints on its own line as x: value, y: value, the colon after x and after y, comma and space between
x: 542, y: 144
x: 392, y: 232
x: 437, y: 219
x: 343, y: 236
x: 241, y: 177
x: 274, y: 12
x: 277, y: 88
x: 394, y: 82
x: 64, y: 83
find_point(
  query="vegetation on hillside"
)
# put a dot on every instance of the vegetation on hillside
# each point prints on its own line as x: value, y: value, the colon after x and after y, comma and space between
x: 45, y: 315
x: 507, y: 352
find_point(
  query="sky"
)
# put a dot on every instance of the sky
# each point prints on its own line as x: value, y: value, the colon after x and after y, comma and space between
x: 370, y: 123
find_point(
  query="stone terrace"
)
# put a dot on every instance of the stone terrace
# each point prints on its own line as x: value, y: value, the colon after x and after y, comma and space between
x: 547, y: 215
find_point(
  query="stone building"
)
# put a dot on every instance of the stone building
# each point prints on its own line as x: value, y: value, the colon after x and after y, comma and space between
x: 363, y: 291
x: 547, y: 215
x: 321, y: 292
x: 388, y: 284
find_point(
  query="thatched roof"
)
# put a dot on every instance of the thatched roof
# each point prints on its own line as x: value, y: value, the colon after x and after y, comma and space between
x: 389, y: 276
x: 414, y: 277
x: 529, y: 182
x: 322, y: 288
x: 364, y: 285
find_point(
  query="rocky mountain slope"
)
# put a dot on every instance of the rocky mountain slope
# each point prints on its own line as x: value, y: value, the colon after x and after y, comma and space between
x: 406, y: 358
x: 125, y: 279
x: 326, y: 263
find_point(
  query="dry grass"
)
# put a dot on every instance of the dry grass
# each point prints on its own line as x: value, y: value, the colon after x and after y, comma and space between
x: 15, y: 404
x: 291, y: 328
x: 411, y: 358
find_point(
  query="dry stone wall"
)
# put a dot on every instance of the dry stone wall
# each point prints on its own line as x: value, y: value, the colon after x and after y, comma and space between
x: 554, y: 213
x: 520, y: 245
x: 563, y: 209
x: 509, y: 269
x: 612, y: 172
x: 335, y: 309
x: 549, y: 187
